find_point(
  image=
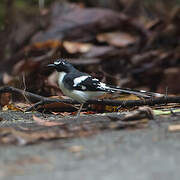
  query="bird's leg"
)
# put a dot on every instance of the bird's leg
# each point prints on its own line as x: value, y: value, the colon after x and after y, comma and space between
x: 78, y: 113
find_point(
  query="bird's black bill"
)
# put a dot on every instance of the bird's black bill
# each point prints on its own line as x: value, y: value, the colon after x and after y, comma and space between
x: 51, y: 65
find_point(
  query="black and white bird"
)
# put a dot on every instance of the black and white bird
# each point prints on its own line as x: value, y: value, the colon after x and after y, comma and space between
x: 81, y: 86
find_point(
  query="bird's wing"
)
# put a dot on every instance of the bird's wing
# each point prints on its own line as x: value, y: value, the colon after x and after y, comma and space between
x: 85, y: 82
x: 93, y: 84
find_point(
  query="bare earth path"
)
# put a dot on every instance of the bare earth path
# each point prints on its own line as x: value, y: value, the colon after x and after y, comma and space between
x: 148, y: 153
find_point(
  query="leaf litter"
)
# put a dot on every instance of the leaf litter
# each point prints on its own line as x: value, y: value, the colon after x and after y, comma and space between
x: 118, y: 48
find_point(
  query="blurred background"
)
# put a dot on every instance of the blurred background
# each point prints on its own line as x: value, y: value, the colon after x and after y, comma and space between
x: 129, y: 43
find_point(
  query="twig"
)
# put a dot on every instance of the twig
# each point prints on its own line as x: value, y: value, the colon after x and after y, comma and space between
x: 32, y: 97
x: 49, y: 101
x: 24, y: 90
x: 129, y: 103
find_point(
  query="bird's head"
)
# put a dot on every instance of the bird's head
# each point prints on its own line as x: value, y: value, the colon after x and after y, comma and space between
x: 61, y: 66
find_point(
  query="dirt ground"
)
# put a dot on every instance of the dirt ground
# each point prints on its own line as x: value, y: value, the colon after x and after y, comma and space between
x: 145, y: 153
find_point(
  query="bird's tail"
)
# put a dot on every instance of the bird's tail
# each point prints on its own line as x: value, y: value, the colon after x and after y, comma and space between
x: 140, y: 93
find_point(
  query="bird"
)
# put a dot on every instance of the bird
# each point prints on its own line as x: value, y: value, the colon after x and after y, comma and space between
x: 82, y: 87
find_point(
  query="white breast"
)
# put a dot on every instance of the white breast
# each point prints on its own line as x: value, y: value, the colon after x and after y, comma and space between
x: 60, y: 80
x: 80, y: 96
x: 83, y: 96
x: 61, y: 85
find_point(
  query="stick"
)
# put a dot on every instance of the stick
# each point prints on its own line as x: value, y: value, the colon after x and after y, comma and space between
x: 32, y: 97
x: 130, y: 103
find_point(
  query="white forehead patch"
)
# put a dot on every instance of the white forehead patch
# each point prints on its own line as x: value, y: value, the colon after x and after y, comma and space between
x: 143, y: 91
x: 59, y: 62
x: 79, y: 80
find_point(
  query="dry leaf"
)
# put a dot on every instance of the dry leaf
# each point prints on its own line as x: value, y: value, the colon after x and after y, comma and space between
x: 5, y: 98
x: 144, y: 112
x: 44, y: 122
x: 76, y: 149
x: 76, y: 47
x: 46, y: 44
x: 174, y: 128
x: 118, y: 39
x: 7, y: 78
x: 22, y: 105
x: 59, y: 106
x: 11, y: 107
x: 113, y: 96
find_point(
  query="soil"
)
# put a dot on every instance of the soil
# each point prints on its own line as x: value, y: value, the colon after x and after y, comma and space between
x: 147, y: 153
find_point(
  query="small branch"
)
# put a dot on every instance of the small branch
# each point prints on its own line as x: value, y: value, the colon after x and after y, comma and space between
x: 49, y: 101
x: 130, y: 103
x: 31, y: 96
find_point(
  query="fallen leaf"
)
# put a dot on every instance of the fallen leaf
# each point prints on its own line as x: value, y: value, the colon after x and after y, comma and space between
x: 46, y: 44
x: 44, y: 122
x: 118, y: 39
x: 22, y: 105
x: 76, y: 149
x: 113, y: 96
x: 174, y: 128
x: 76, y: 47
x: 128, y: 124
x: 7, y: 78
x: 139, y: 114
x: 11, y: 107
x: 5, y: 98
